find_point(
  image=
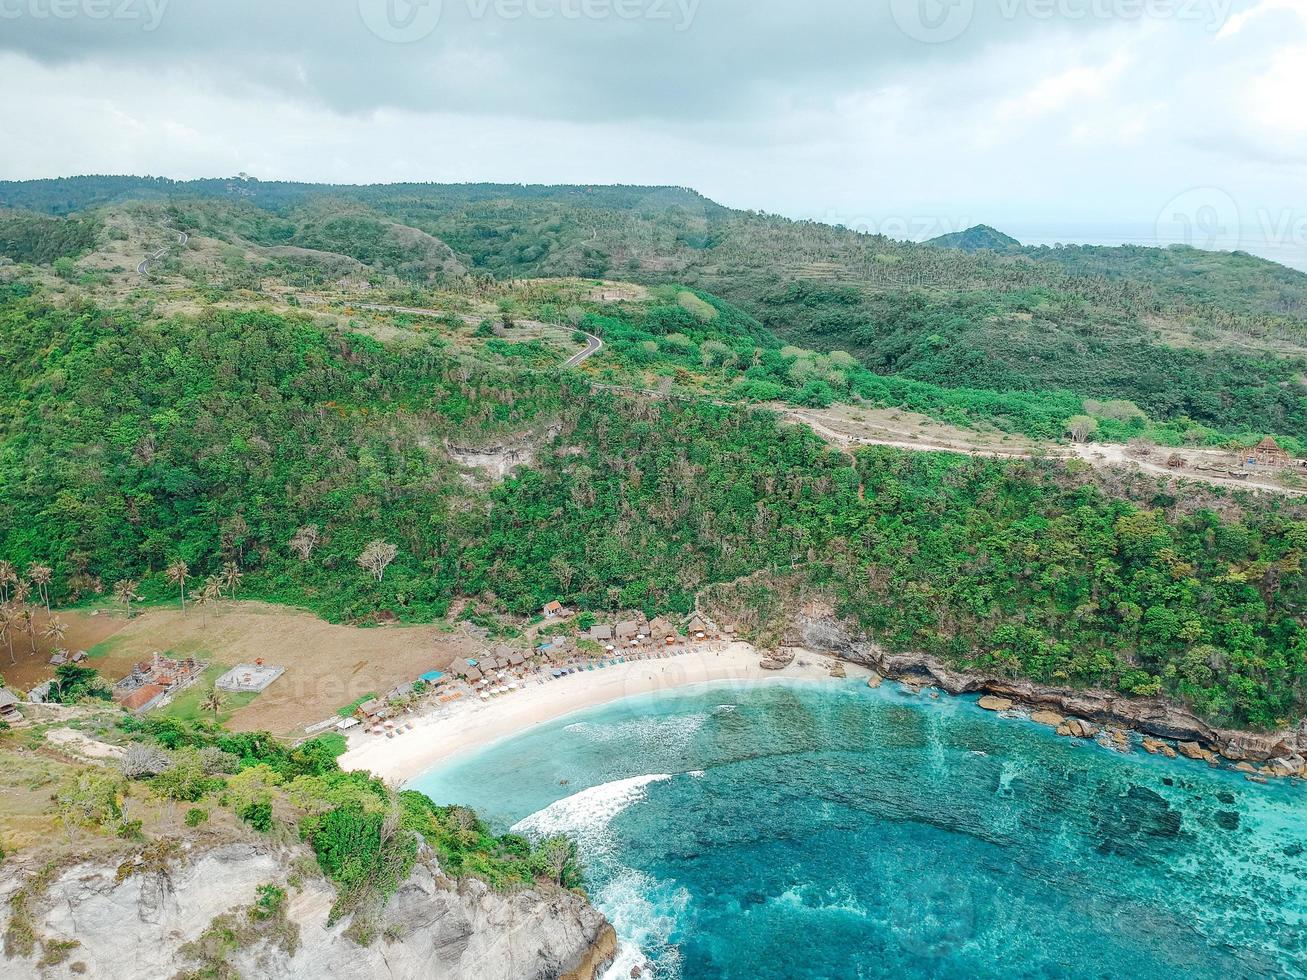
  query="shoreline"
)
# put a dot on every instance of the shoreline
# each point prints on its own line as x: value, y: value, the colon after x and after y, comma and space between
x: 440, y: 736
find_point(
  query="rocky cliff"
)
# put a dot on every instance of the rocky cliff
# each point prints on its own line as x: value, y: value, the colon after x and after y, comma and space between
x: 1152, y: 716
x: 200, y: 912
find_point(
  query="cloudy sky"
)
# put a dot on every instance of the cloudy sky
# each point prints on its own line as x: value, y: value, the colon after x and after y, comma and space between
x: 1054, y: 119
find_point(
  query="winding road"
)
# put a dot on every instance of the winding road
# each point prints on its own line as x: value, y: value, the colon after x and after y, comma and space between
x: 143, y: 267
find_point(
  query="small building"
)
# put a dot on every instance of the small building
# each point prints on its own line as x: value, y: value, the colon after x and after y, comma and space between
x: 660, y: 628
x: 698, y: 629
x: 1268, y: 453
x: 248, y: 678
x: 143, y: 698
x: 601, y: 634
x: 372, y: 709
x: 9, y: 706
x: 628, y: 630
x: 555, y: 609
x: 432, y: 677
x: 59, y: 659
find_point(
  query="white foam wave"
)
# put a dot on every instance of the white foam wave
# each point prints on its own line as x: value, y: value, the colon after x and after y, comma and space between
x: 645, y: 913
x: 589, y: 810
x: 697, y: 773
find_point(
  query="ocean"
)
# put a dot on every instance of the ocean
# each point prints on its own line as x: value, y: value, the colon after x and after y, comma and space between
x: 834, y: 831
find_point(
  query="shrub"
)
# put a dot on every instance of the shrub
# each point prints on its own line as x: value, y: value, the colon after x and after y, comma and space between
x: 143, y: 760
x: 258, y: 815
x: 196, y: 816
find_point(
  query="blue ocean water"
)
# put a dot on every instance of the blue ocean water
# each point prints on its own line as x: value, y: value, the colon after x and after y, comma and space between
x: 833, y: 831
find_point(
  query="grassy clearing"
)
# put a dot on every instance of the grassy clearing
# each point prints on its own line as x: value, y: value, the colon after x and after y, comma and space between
x: 186, y: 706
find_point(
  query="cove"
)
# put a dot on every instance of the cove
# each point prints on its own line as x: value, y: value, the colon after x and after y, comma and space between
x: 834, y: 831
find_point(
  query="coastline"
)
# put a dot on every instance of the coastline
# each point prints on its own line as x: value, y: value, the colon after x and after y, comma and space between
x: 440, y: 736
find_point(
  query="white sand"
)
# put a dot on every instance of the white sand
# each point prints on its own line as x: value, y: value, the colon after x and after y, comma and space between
x: 474, y: 724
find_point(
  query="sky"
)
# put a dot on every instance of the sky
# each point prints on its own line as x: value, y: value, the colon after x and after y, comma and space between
x: 1055, y: 120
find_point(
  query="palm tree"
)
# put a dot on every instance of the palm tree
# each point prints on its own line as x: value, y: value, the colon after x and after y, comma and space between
x: 125, y: 592
x: 231, y: 578
x: 209, y: 593
x: 41, y: 576
x: 8, y: 576
x: 22, y: 592
x: 213, y: 701
x: 177, y: 574
x: 54, y: 631
x: 29, y: 625
x: 7, y: 631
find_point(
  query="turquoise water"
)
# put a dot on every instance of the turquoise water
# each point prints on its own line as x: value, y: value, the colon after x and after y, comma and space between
x: 805, y: 831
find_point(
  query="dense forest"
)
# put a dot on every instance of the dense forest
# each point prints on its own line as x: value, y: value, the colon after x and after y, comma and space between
x: 314, y: 462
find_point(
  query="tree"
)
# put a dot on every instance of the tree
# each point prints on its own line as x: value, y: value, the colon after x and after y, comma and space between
x: 28, y: 622
x: 8, y: 577
x: 1081, y: 427
x: 7, y: 631
x: 213, y: 701
x: 231, y: 578
x: 304, y: 541
x: 177, y: 574
x: 54, y: 631
x: 376, y: 558
x: 209, y: 593
x: 124, y: 591
x: 40, y: 576
x: 557, y: 858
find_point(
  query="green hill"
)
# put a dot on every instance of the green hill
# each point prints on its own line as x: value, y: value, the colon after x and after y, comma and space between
x: 976, y: 238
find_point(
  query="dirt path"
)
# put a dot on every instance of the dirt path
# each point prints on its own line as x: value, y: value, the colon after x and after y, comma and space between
x: 1098, y: 455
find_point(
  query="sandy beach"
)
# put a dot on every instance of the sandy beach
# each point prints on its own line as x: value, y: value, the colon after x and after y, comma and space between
x: 440, y: 735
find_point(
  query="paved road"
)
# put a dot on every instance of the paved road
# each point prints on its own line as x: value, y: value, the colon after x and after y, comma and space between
x: 144, y: 266
x: 593, y: 345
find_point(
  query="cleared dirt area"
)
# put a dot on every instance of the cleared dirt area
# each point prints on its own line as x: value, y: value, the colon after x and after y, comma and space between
x: 84, y: 632
x: 327, y: 666
x: 905, y: 430
x: 852, y: 425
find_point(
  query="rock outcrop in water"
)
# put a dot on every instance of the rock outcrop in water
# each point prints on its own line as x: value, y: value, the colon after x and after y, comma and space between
x: 95, y: 919
x: 1151, y: 716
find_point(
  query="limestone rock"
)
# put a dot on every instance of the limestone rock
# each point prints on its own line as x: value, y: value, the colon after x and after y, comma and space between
x: 1079, y: 728
x: 992, y: 703
x: 1050, y: 718
x: 461, y: 930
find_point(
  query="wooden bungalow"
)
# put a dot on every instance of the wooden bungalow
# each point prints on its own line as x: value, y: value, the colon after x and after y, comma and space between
x: 1268, y: 453
x: 9, y: 706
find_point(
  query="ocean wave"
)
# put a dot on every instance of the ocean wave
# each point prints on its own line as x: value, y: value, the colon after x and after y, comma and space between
x: 590, y: 810
x: 645, y: 914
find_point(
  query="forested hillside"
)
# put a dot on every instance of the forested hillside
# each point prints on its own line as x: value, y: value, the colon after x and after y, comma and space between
x: 1195, y: 342
x: 128, y: 442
